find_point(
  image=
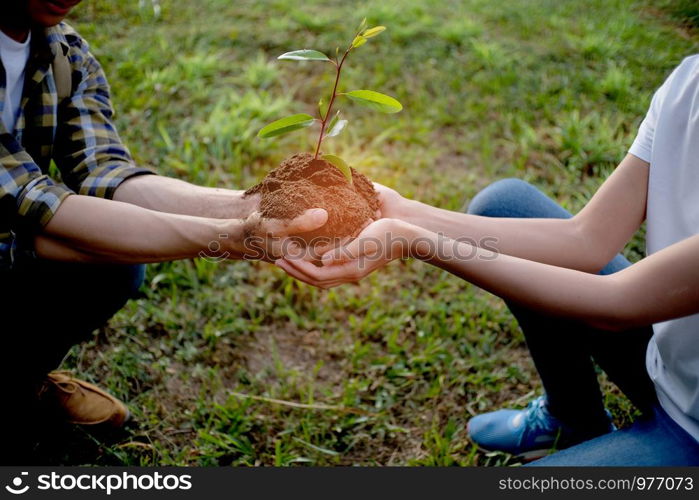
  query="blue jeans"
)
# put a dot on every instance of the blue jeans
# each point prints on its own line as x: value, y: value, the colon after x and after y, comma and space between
x: 47, y: 308
x: 565, y: 353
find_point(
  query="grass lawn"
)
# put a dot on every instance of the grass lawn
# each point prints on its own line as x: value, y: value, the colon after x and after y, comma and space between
x: 237, y: 364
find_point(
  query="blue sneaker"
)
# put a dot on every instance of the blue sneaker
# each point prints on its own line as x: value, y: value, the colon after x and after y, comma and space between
x: 530, y: 433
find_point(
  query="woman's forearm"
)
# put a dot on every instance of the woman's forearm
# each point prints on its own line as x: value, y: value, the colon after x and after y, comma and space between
x: 99, y: 229
x: 558, y: 242
x: 543, y: 287
x: 585, y: 242
x: 660, y: 287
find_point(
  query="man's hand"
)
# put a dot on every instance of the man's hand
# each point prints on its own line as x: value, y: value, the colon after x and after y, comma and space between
x: 271, y: 239
x: 378, y: 244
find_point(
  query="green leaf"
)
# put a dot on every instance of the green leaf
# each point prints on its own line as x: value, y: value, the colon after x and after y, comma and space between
x: 375, y: 100
x: 334, y: 120
x: 371, y: 32
x: 361, y: 25
x: 304, y: 55
x: 340, y: 164
x: 358, y: 41
x: 322, y: 109
x: 336, y: 128
x: 285, y: 125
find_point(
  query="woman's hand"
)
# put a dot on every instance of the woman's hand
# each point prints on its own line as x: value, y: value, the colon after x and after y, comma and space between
x: 392, y: 204
x: 378, y: 244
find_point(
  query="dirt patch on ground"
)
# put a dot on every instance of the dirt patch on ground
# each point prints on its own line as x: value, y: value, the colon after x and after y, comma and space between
x: 307, y: 353
x: 301, y: 182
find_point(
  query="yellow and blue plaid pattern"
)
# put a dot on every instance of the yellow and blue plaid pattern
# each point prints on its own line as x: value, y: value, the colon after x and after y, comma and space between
x: 77, y: 134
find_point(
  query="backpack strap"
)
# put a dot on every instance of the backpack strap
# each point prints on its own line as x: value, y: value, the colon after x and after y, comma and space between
x: 62, y: 74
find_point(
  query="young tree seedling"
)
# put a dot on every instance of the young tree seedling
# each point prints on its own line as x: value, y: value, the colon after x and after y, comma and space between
x: 331, y: 127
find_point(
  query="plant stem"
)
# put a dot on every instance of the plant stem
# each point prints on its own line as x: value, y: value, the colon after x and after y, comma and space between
x: 330, y: 104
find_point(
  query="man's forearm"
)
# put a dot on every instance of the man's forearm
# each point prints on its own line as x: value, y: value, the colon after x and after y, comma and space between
x: 166, y: 194
x: 53, y: 249
x: 87, y: 228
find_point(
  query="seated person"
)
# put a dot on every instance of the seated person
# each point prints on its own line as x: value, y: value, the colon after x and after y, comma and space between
x: 72, y: 252
x: 575, y: 297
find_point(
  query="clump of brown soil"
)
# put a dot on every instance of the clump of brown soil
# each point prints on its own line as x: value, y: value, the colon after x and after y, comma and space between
x: 301, y: 182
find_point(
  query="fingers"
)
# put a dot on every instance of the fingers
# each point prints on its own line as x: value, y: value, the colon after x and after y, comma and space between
x: 295, y: 272
x: 359, y: 247
x: 324, y: 277
x: 308, y: 221
x: 292, y: 249
x: 282, y: 247
x: 380, y: 189
x: 318, y: 274
x: 270, y: 239
x: 321, y: 250
x: 366, y: 224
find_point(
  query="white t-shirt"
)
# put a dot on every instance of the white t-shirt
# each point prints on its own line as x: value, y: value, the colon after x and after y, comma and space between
x: 14, y: 57
x: 668, y: 139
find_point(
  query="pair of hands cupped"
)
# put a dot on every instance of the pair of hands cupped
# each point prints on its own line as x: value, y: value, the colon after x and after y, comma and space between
x: 348, y: 261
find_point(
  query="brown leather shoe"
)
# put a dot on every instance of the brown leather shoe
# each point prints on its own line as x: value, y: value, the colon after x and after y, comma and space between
x: 80, y: 402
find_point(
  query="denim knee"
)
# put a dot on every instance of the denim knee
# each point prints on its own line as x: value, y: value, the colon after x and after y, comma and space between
x: 517, y: 199
x: 497, y: 199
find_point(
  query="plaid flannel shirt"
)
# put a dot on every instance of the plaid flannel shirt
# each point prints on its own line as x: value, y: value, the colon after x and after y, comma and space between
x: 77, y: 135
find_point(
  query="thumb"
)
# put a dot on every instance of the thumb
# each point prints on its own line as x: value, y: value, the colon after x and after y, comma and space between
x: 311, y: 219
